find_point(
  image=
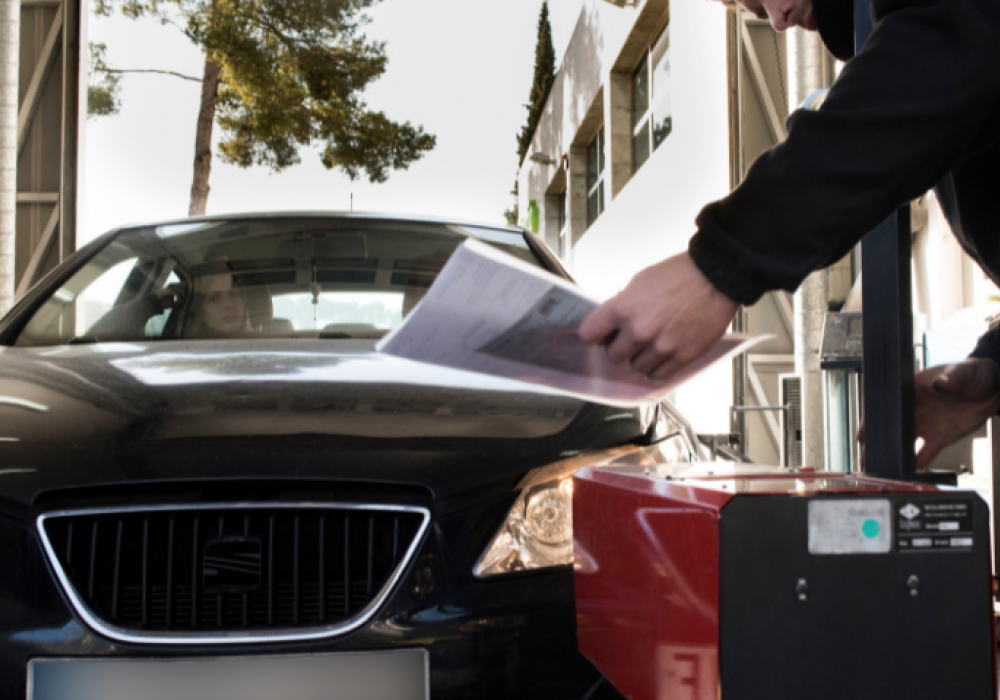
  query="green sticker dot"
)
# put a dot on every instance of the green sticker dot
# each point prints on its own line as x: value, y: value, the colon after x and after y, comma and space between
x: 870, y: 529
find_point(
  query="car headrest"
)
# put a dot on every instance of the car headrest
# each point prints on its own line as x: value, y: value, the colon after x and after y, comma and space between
x: 349, y: 328
x: 277, y: 326
x: 260, y: 308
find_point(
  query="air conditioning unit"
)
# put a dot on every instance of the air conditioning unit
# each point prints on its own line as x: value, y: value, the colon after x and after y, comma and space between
x: 790, y: 394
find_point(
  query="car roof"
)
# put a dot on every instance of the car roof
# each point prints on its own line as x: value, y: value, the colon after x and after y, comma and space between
x: 358, y: 215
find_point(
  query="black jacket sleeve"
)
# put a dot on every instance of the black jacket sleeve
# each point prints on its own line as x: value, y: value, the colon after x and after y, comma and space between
x: 898, y: 118
x: 988, y: 346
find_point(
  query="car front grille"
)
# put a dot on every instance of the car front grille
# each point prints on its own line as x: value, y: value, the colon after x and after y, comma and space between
x: 230, y: 574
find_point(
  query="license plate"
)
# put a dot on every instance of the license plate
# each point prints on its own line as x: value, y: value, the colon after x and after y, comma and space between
x: 382, y: 675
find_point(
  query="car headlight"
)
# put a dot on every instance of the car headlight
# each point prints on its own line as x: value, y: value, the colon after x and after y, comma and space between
x: 538, y: 530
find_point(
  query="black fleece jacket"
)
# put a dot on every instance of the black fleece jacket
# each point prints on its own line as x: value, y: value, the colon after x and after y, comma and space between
x: 918, y: 107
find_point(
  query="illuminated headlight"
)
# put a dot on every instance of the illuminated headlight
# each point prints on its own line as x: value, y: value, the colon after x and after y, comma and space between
x: 538, y: 531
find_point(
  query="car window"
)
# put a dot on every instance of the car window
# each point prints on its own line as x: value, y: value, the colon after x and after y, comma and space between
x: 295, y: 278
x: 341, y: 311
x: 84, y: 299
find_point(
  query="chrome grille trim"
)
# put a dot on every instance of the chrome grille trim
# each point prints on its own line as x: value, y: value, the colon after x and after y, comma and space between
x: 234, y: 637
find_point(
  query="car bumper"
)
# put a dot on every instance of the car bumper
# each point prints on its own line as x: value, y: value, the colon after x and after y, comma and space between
x: 502, y: 638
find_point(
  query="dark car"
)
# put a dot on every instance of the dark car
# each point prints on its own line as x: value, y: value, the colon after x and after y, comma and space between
x: 211, y: 485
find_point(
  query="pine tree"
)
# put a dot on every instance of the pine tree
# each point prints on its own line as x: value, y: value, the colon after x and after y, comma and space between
x: 545, y: 75
x: 279, y: 75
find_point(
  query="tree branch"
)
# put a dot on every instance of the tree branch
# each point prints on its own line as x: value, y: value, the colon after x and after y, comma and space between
x: 147, y: 70
x: 183, y: 30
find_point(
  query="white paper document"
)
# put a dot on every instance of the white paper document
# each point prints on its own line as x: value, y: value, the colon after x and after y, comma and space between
x: 492, y: 313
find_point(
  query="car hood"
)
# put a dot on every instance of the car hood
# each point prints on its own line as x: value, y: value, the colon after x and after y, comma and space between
x: 87, y: 415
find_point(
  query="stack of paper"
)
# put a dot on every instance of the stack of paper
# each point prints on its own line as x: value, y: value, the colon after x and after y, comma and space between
x: 492, y: 313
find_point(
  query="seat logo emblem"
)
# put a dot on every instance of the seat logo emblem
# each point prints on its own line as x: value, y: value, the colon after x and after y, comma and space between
x: 231, y: 565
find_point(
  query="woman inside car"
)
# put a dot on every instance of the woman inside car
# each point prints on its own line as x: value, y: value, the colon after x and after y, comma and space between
x: 218, y: 310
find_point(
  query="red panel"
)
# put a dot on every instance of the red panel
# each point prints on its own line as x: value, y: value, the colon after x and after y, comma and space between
x: 647, y: 583
x: 751, y: 478
x: 647, y: 555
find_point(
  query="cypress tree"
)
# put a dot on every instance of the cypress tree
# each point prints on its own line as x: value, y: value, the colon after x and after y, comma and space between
x: 545, y: 75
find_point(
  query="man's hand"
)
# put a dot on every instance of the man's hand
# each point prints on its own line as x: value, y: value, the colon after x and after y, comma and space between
x: 951, y: 402
x: 667, y: 316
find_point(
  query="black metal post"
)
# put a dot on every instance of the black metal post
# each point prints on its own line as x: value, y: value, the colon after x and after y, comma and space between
x: 888, y: 349
x: 888, y: 330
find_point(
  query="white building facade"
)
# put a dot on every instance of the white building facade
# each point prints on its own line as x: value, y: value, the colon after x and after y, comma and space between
x: 634, y: 140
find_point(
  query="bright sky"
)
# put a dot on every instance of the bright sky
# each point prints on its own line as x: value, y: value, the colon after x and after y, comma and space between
x: 460, y: 69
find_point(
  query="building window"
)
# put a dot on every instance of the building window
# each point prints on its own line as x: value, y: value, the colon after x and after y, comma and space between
x: 651, y: 120
x: 595, y: 178
x: 563, y: 228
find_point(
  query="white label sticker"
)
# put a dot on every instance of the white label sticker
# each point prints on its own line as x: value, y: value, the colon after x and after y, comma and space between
x: 850, y: 527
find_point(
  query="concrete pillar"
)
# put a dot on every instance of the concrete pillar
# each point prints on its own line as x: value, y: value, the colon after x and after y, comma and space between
x: 10, y: 27
x: 550, y: 222
x: 617, y: 133
x: 576, y: 201
x: 809, y: 70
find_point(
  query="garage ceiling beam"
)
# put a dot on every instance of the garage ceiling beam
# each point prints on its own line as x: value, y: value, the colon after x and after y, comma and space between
x: 34, y: 92
x: 37, y: 197
x: 38, y: 257
x: 785, y: 310
x: 772, y: 359
x: 770, y: 422
x: 774, y: 124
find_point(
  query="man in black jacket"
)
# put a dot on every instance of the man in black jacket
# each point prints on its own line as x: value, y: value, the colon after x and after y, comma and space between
x: 918, y: 107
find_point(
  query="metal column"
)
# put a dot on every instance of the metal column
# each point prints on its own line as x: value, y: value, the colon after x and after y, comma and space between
x: 10, y: 19
x: 809, y: 70
x: 888, y: 330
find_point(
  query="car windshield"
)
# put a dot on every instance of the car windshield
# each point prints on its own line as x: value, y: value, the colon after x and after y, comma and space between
x: 293, y: 278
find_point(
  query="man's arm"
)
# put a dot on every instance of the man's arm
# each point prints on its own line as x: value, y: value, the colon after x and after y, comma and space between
x: 894, y: 123
x: 900, y: 115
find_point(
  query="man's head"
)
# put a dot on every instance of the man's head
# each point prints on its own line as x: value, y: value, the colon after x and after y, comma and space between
x: 782, y: 14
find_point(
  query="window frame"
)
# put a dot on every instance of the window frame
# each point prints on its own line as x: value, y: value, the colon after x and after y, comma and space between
x: 562, y: 224
x: 644, y: 122
x: 596, y: 189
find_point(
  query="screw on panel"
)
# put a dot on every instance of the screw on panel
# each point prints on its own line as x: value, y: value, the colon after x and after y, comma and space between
x: 802, y: 588
x: 913, y: 583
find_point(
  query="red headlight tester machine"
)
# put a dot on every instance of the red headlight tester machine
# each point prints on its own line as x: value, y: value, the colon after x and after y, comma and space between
x: 720, y: 582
